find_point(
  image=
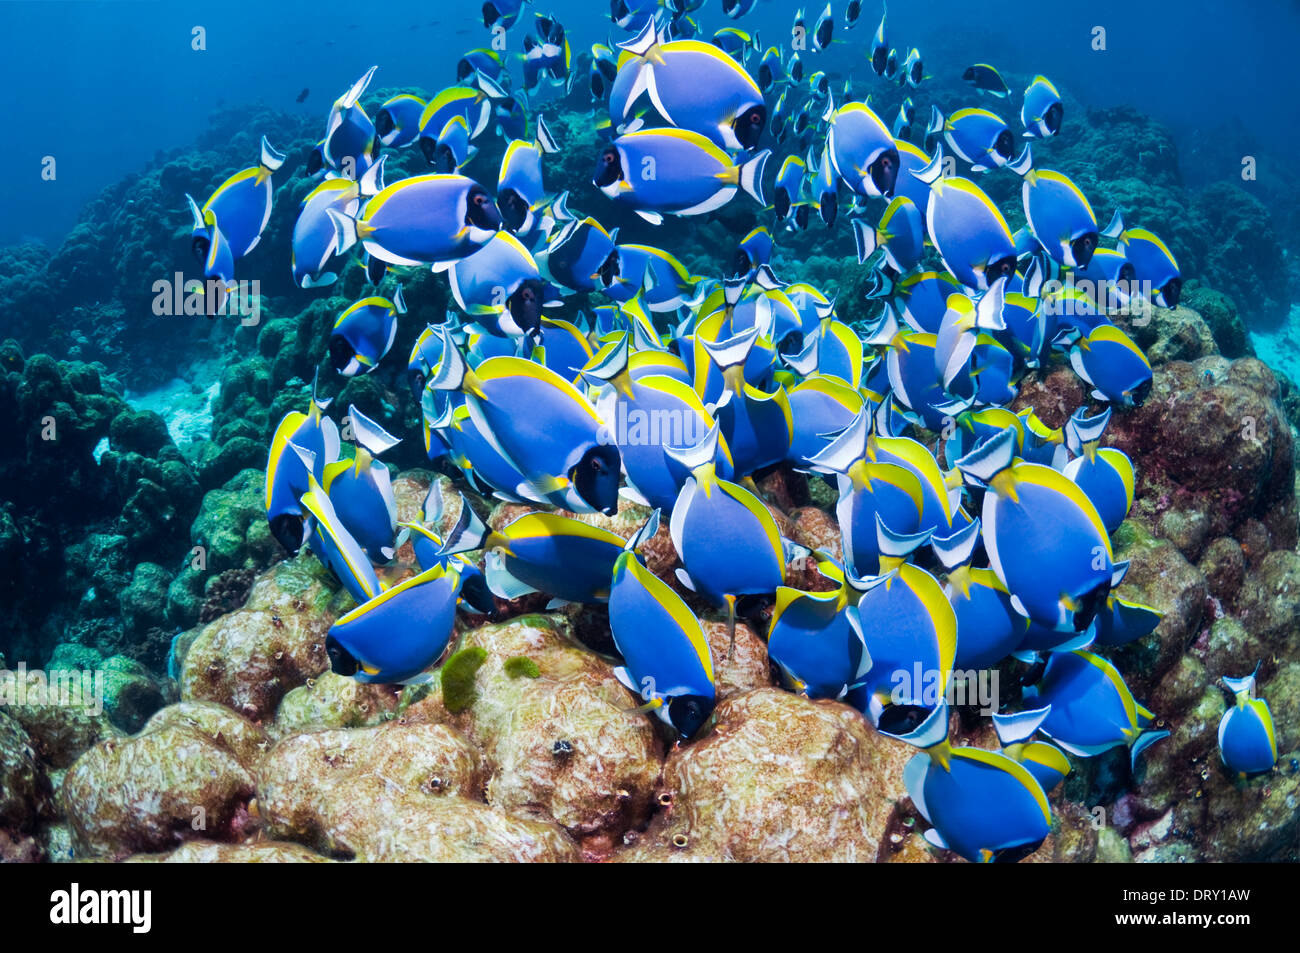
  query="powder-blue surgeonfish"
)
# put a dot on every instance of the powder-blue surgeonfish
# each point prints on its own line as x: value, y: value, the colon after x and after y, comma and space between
x: 1113, y: 365
x: 432, y: 550
x: 422, y: 220
x: 287, y: 478
x: 667, y: 661
x: 330, y: 540
x: 695, y: 86
x: 397, y: 122
x: 241, y: 205
x: 815, y: 638
x: 968, y: 230
x: 475, y: 104
x: 580, y: 256
x: 364, y: 332
x: 987, y: 79
x: 1058, y: 214
x: 1153, y: 263
x: 756, y: 424
x: 736, y: 9
x: 1046, y: 762
x: 350, y: 144
x: 912, y: 72
x: 1042, y: 111
x: 899, y: 236
x: 789, y: 185
x: 1247, y: 740
x: 452, y: 149
x: 361, y: 490
x: 501, y: 288
x: 1104, y: 473
x: 862, y: 150
x: 565, y: 558
x: 725, y: 536
x: 1092, y: 709
x: 820, y: 407
x: 393, y: 637
x: 982, y: 805
x: 519, y: 182
x: 542, y: 425
x: 903, y: 121
x: 502, y: 13
x: 988, y: 627
x: 910, y: 630
x: 978, y: 137
x: 771, y: 69
x: 1044, y: 538
x: 315, y: 240
x: 691, y: 176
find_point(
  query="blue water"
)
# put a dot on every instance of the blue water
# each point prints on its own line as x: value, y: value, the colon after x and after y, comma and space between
x: 103, y: 86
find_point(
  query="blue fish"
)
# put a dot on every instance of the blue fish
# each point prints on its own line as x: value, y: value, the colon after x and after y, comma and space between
x: 395, y: 636
x: 1046, y: 762
x: 675, y: 172
x: 983, y: 805
x: 361, y: 491
x: 288, y: 479
x: 397, y: 123
x: 666, y: 658
x: 1115, y: 367
x: 1042, y: 111
x: 364, y: 332
x: 1247, y: 740
x: 315, y: 240
x: 1104, y: 473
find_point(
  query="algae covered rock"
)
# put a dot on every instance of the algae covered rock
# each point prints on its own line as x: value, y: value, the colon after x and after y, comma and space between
x: 780, y: 778
x: 563, y: 743
x: 217, y: 723
x: 333, y: 701
x: 24, y: 789
x: 400, y: 791
x: 155, y: 790
x: 250, y: 659
x: 263, y: 852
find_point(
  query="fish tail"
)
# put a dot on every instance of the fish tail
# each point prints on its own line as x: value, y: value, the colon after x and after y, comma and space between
x: 751, y: 175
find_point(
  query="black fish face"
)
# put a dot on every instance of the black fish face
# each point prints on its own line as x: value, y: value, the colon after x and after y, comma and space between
x: 884, y: 172
x: 287, y: 530
x: 525, y: 306
x: 791, y: 344
x: 764, y: 77
x: 688, y: 713
x: 315, y: 161
x: 969, y: 75
x: 609, y: 169
x: 740, y: 264
x: 481, y: 210
x: 463, y: 69
x: 514, y: 210
x: 880, y: 61
x: 748, y: 126
x: 476, y: 593
x: 342, y: 662
x: 609, y: 268
x: 801, y: 217
x: 375, y: 270
x: 1083, y: 247
x: 1141, y: 392
x: 1090, y: 605
x: 824, y: 33
x: 341, y: 352
x: 1004, y: 144
x: 1172, y: 292
x: 829, y: 207
x: 444, y: 160
x: 1002, y: 268
x: 430, y: 149
x: 1055, y: 113
x: 384, y: 123
x: 416, y: 381
x: 596, y: 478
x: 490, y: 15
x: 781, y: 202
x: 902, y: 719
x: 199, y: 246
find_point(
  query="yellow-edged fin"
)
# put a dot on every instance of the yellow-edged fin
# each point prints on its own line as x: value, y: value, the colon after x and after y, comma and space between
x: 429, y: 575
x: 1014, y: 768
x: 538, y: 525
x: 887, y: 473
x: 1113, y: 676
x: 834, y: 388
x: 1124, y: 467
x: 1260, y: 707
x: 1047, y: 755
x: 503, y: 368
x: 761, y: 513
x: 280, y: 443
x: 673, y: 604
x: 231, y: 182
x: 973, y: 190
x: 311, y: 503
x: 922, y: 463
x: 930, y: 593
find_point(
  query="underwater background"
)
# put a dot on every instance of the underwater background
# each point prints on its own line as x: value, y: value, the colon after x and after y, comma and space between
x: 133, y: 523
